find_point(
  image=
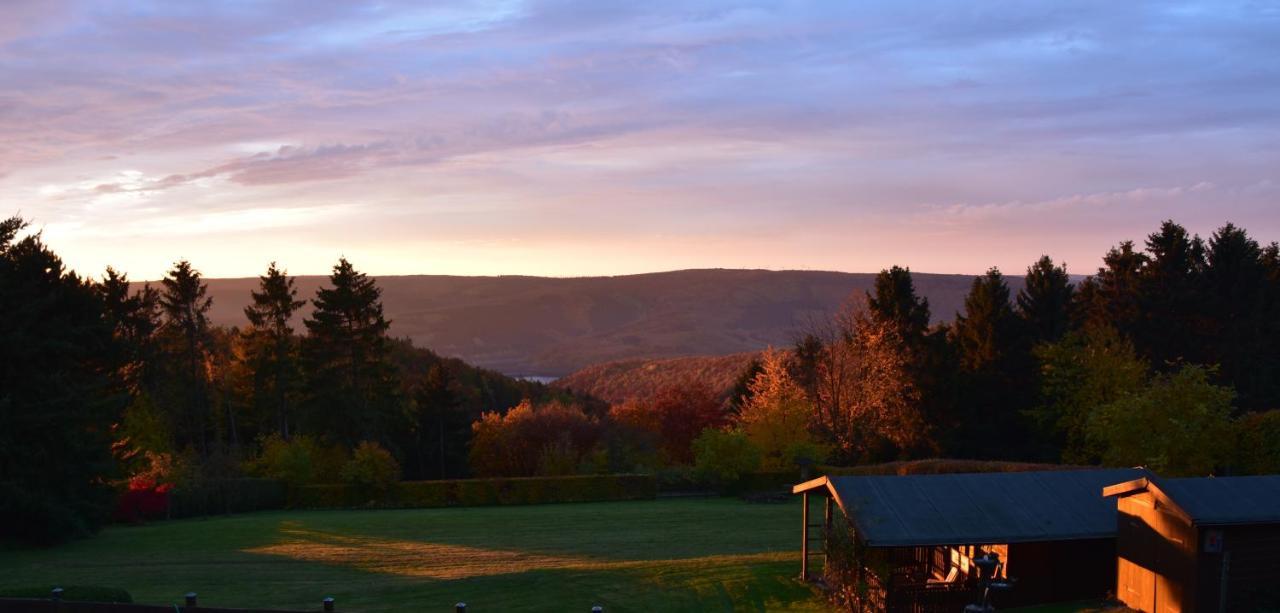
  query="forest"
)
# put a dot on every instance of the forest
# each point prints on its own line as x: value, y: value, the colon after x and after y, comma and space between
x: 1167, y: 356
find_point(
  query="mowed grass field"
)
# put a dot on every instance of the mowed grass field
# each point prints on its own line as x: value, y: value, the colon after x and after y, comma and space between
x: 667, y: 555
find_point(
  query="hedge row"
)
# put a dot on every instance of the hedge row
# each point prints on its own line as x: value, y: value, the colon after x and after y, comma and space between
x: 936, y: 466
x: 223, y: 496
x: 479, y: 492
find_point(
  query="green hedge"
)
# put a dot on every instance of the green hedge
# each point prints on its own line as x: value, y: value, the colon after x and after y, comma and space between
x: 218, y: 497
x: 481, y: 492
x: 75, y: 593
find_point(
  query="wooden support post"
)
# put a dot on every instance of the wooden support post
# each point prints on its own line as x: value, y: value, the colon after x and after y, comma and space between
x: 826, y: 530
x: 804, y: 538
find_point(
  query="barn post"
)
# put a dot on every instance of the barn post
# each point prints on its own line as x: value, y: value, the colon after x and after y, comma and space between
x: 804, y: 538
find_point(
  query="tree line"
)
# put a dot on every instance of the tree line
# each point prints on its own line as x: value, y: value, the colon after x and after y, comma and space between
x: 1167, y: 356
x: 103, y: 380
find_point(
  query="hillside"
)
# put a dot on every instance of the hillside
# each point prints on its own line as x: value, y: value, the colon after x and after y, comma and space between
x: 554, y: 326
x: 614, y: 382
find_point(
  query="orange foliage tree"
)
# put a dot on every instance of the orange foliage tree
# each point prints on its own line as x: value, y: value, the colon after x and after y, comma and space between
x: 675, y: 416
x: 776, y: 415
x: 867, y: 403
x: 550, y: 439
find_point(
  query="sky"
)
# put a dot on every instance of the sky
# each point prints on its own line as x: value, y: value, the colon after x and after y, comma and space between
x: 590, y: 137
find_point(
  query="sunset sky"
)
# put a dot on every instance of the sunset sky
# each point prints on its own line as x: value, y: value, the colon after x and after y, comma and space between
x: 589, y: 137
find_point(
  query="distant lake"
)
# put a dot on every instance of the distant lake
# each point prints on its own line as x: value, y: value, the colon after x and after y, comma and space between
x: 536, y: 378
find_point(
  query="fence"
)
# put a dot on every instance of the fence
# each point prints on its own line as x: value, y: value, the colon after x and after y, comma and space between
x: 190, y: 604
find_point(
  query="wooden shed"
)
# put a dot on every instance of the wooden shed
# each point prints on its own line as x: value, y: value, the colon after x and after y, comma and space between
x: 1205, y: 544
x: 918, y: 535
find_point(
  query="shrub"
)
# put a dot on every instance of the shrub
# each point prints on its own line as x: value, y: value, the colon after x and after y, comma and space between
x: 553, y: 438
x: 292, y: 461
x: 221, y: 496
x: 724, y: 456
x: 1258, y: 446
x: 371, y: 469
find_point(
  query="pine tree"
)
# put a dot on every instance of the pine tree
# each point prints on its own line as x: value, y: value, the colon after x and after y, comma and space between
x: 272, y: 346
x: 1116, y: 298
x: 351, y: 383
x: 58, y: 396
x: 1044, y: 302
x: 894, y: 300
x: 1236, y: 280
x: 1171, y: 298
x: 185, y: 302
x: 988, y: 329
x: 439, y: 426
x: 995, y: 370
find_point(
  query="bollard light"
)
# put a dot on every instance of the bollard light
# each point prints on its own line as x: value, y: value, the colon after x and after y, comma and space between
x: 190, y: 599
x: 56, y: 594
x: 461, y: 607
x: 328, y: 603
x: 597, y: 609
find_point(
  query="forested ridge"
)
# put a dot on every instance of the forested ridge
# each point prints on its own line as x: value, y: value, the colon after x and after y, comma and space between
x: 1167, y: 356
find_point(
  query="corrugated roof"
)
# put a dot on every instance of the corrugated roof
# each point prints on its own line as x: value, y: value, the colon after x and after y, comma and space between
x: 979, y: 508
x: 1226, y: 500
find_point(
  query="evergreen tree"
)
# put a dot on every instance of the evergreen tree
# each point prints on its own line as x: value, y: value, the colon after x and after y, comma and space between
x: 351, y: 384
x: 1044, y: 302
x: 185, y: 303
x: 894, y: 300
x: 1171, y: 297
x: 135, y: 321
x: 987, y: 331
x: 1236, y: 281
x: 58, y: 396
x: 439, y: 425
x: 1115, y: 299
x: 995, y: 373
x: 272, y: 347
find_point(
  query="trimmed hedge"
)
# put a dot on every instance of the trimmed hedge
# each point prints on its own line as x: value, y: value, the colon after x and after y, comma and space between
x: 482, y: 492
x: 72, y: 593
x: 223, y: 496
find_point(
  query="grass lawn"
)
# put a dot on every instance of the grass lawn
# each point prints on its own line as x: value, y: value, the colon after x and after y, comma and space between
x: 687, y: 554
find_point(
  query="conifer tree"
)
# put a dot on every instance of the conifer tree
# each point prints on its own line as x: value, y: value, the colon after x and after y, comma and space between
x: 1044, y: 302
x: 271, y: 345
x: 185, y: 302
x: 894, y: 300
x: 58, y: 396
x: 351, y: 383
x: 1171, y: 297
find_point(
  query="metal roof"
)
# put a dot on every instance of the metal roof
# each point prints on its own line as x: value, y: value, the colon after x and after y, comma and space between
x: 980, y: 508
x: 1226, y: 500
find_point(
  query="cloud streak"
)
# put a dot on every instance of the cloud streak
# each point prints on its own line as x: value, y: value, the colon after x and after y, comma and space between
x: 570, y: 125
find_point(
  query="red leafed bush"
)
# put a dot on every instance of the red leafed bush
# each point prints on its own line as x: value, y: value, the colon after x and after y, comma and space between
x: 145, y: 499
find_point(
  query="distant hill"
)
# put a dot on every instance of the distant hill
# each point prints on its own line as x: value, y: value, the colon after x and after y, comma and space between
x: 614, y: 382
x: 554, y: 326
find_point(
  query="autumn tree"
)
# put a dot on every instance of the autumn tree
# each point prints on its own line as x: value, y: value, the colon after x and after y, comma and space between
x: 776, y: 416
x: 674, y: 415
x: 351, y: 384
x: 549, y: 439
x: 866, y: 402
x: 271, y: 348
